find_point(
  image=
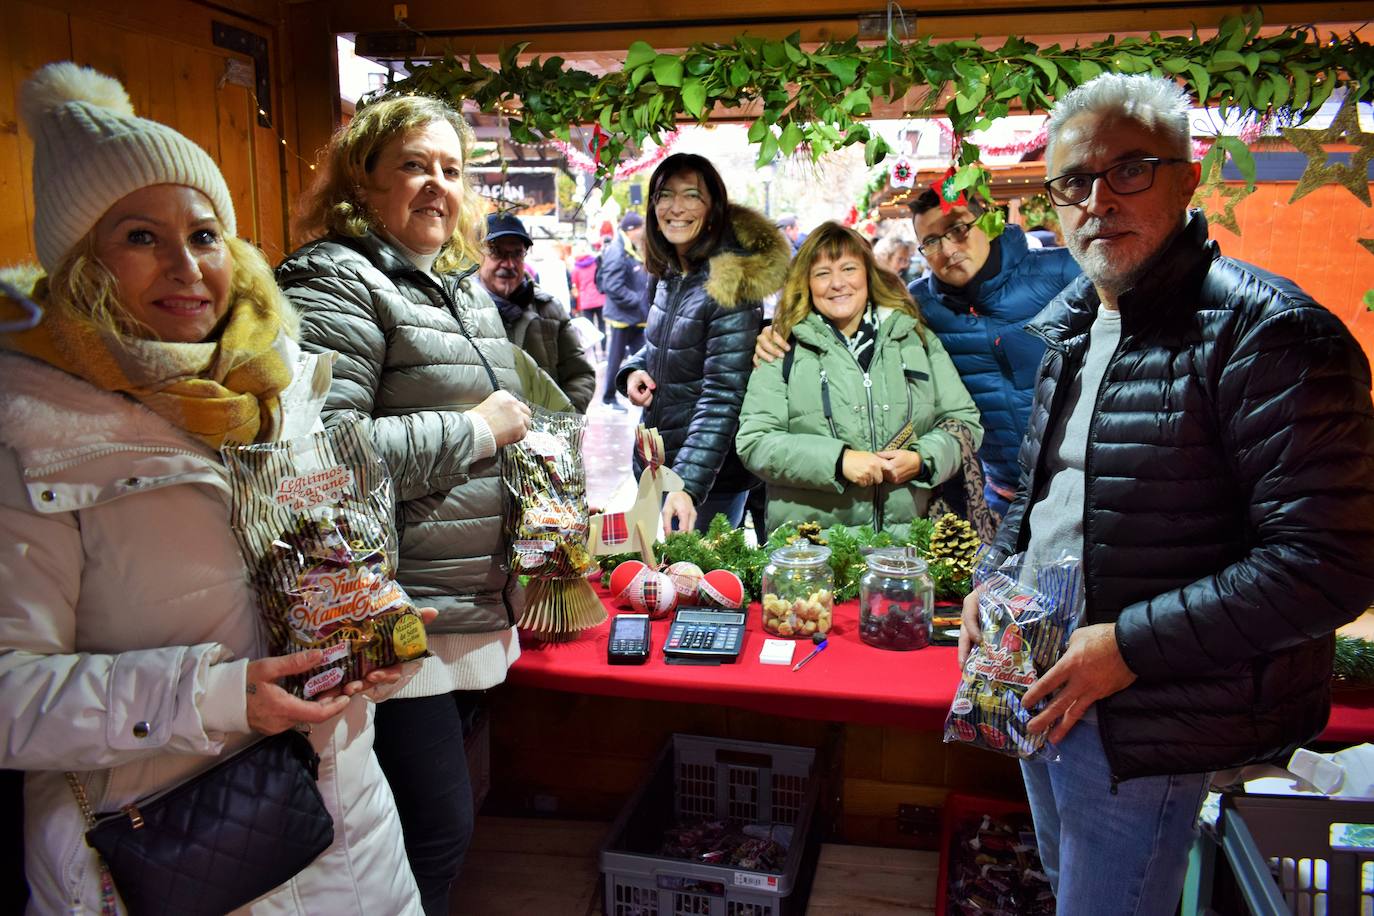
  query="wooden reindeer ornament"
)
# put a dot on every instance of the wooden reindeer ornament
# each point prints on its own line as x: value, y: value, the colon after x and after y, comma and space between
x: 638, y: 526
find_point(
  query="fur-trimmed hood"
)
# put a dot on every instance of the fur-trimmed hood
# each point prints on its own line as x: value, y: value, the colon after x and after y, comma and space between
x: 756, y: 268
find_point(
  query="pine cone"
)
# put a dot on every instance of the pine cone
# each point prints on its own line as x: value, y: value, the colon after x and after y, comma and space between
x: 953, y: 540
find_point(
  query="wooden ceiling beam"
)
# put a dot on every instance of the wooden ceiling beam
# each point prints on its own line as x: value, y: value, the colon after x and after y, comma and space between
x: 575, y: 27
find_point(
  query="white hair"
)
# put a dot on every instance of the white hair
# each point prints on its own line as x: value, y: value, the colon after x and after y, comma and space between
x: 888, y: 245
x: 1154, y: 101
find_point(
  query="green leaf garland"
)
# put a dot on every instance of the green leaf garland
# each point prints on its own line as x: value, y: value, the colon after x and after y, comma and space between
x: 816, y: 99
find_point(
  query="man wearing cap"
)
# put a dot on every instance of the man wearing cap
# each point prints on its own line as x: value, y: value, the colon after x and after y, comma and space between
x: 625, y: 282
x: 789, y: 227
x: 535, y: 321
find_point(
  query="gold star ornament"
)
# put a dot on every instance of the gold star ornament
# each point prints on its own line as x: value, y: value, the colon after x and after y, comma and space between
x: 1345, y: 128
x: 1212, y: 187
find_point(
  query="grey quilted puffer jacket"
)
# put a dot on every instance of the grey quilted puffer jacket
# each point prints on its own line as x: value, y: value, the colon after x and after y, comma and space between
x: 413, y: 355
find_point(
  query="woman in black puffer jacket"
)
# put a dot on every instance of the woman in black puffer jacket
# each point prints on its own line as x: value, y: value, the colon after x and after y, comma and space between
x: 713, y: 264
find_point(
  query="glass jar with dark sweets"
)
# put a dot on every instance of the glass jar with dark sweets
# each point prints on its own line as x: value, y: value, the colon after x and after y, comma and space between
x: 798, y: 591
x: 896, y: 600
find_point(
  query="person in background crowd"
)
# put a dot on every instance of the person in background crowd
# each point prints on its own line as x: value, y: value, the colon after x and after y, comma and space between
x: 1201, y: 437
x: 713, y: 264
x: 792, y: 230
x: 1047, y: 237
x: 867, y: 413
x: 977, y: 298
x: 535, y: 321
x: 424, y: 359
x: 132, y: 653
x: 589, y: 297
x: 624, y: 281
x: 893, y: 254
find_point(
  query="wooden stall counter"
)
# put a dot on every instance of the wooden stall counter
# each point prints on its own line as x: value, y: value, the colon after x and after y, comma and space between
x: 849, y: 682
x: 573, y: 736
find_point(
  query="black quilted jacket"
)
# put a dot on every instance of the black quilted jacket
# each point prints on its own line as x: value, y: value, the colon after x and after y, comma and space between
x: 699, y: 348
x: 1229, y: 517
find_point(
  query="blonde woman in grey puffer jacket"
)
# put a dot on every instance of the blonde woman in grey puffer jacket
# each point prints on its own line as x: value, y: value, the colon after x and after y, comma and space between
x: 424, y: 357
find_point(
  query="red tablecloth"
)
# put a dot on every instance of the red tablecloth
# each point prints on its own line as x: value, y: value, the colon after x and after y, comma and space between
x: 848, y: 682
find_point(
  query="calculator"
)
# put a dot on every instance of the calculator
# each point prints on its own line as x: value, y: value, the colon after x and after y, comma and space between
x: 705, y: 635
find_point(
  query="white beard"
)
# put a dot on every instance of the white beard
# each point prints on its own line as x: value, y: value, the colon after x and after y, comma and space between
x: 1117, y: 272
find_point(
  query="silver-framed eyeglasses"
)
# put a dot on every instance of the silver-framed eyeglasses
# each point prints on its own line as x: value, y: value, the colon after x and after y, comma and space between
x: 689, y: 199
x: 1129, y: 177
x: 956, y: 234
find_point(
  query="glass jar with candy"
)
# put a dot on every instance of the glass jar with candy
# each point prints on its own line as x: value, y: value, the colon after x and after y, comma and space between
x: 896, y: 600
x: 798, y: 591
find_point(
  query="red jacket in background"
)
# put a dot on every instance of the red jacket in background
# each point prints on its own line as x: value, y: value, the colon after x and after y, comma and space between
x: 584, y: 282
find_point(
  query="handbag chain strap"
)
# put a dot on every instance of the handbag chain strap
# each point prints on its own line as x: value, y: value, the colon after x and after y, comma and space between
x: 108, y: 907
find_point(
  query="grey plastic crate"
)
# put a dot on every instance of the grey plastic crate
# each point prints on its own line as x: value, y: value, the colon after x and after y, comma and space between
x: 698, y: 778
x: 1280, y: 850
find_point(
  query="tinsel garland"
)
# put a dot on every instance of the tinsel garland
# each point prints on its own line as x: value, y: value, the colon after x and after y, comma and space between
x: 584, y: 163
x: 1251, y: 132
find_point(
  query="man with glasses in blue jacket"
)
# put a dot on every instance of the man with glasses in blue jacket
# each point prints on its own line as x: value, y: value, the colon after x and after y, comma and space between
x: 977, y: 298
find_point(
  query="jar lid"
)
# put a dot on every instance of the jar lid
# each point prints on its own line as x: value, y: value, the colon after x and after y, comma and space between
x: 800, y: 555
x: 897, y: 561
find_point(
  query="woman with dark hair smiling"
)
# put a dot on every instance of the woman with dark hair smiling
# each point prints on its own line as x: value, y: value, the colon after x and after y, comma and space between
x: 713, y: 263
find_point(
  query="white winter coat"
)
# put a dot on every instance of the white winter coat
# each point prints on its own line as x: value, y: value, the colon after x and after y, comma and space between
x: 125, y: 609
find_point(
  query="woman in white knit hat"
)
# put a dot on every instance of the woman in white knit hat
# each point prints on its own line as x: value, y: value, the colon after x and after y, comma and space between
x: 131, y: 654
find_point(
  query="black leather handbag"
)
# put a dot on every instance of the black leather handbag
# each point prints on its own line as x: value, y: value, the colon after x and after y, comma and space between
x: 219, y: 840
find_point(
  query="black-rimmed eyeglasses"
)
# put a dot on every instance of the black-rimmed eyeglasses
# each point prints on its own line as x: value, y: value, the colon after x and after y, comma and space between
x: 1129, y: 177
x: 507, y: 254
x: 956, y: 234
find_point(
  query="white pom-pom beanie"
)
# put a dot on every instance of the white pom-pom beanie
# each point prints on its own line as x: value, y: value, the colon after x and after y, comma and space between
x: 90, y: 150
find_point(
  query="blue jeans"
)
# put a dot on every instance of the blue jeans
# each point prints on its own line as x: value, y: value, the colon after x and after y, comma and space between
x: 731, y: 505
x: 1114, y: 855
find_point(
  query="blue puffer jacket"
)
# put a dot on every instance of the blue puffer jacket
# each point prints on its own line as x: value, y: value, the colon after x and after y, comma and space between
x: 996, y: 358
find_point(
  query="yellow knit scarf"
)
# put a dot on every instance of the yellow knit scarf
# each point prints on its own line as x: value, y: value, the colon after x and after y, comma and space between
x: 224, y: 391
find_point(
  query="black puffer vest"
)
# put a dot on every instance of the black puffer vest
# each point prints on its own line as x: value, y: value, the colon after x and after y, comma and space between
x: 1229, y: 513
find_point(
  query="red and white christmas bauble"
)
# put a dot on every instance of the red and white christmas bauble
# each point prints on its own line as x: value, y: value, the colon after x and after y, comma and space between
x: 621, y: 578
x: 723, y: 589
x: 686, y: 577
x: 652, y: 593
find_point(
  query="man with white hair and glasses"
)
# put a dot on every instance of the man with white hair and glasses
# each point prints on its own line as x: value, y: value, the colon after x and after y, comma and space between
x: 1202, y: 437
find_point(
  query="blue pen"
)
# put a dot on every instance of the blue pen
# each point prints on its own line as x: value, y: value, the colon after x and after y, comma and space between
x: 820, y: 644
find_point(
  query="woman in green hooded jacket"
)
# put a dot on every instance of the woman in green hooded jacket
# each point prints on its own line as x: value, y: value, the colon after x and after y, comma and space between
x: 866, y: 413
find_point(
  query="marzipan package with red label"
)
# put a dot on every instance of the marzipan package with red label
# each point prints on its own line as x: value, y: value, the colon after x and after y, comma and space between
x: 314, y: 519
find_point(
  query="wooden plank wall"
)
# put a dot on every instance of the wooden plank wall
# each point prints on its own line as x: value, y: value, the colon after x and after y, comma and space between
x: 1312, y: 242
x: 163, y: 52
